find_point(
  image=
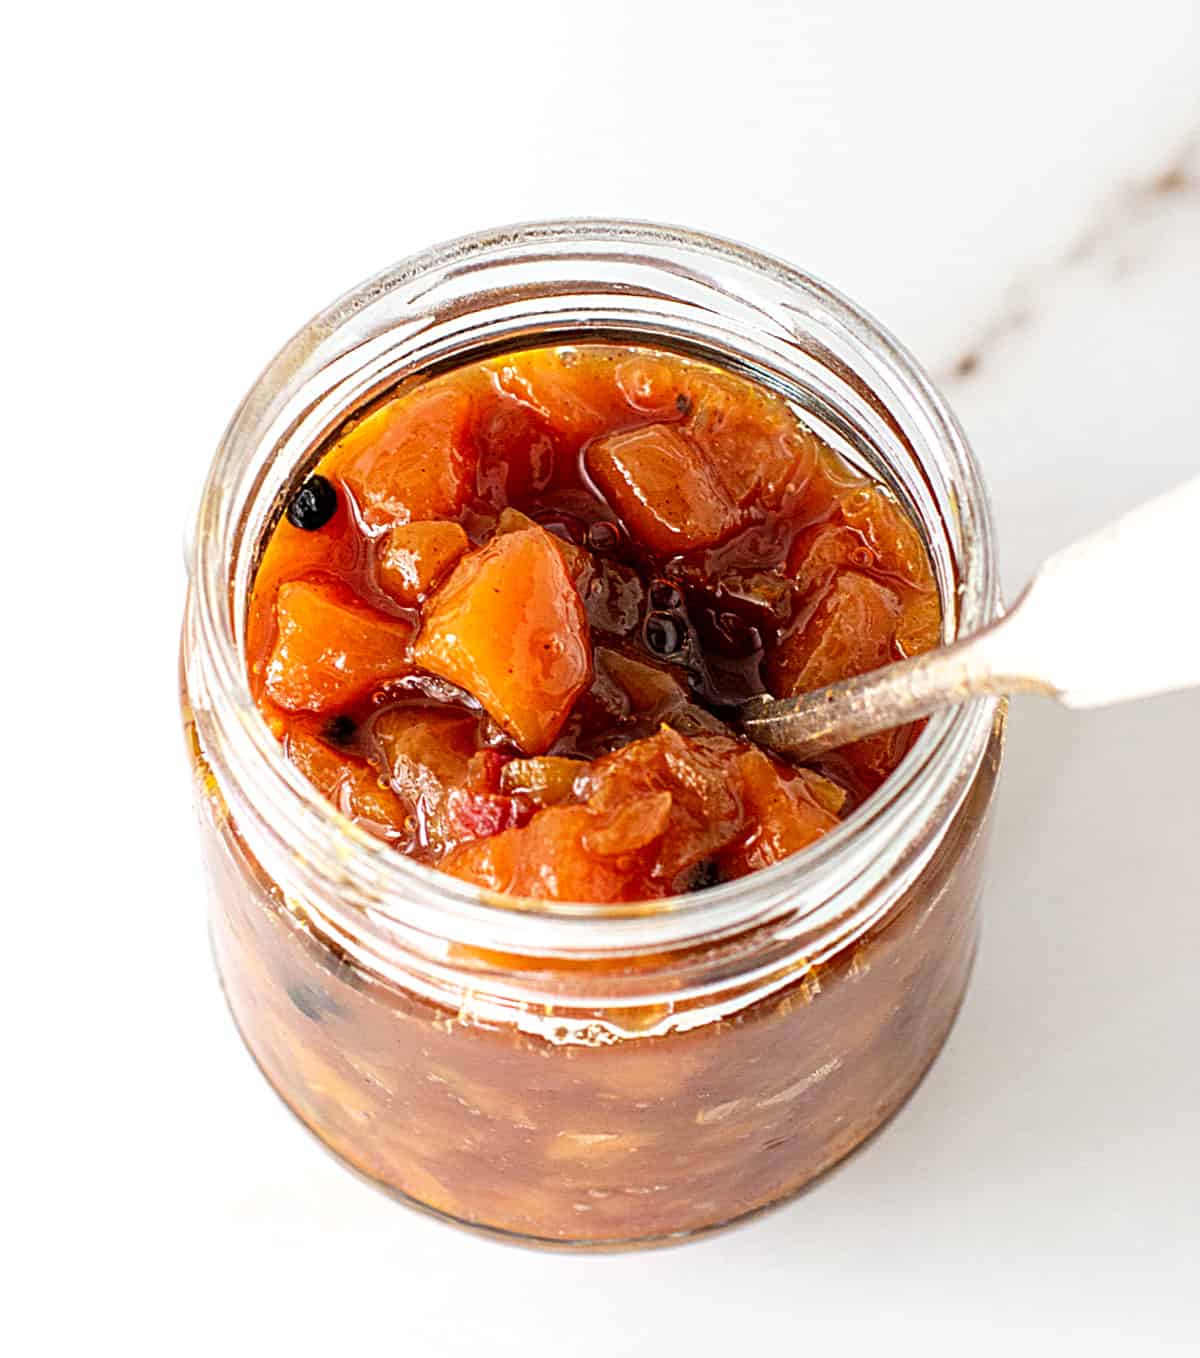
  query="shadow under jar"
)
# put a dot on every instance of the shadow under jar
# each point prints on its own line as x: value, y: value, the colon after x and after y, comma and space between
x: 587, y: 1074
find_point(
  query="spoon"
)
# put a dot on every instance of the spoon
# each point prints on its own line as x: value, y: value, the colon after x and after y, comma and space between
x: 1113, y: 617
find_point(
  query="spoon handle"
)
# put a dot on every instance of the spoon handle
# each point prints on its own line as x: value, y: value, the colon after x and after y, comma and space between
x: 1113, y: 617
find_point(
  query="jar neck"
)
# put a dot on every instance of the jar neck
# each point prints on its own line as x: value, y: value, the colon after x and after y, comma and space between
x: 550, y: 283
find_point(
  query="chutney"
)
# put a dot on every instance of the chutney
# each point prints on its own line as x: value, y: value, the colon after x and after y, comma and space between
x: 506, y: 621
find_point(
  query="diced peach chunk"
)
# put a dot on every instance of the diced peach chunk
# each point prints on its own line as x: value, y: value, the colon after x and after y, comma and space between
x: 329, y: 650
x: 890, y: 533
x: 544, y: 860
x: 651, y: 386
x: 820, y: 552
x: 424, y: 752
x: 705, y: 810
x: 415, y: 556
x: 851, y: 632
x: 350, y: 784
x: 872, y: 758
x: 824, y: 791
x: 783, y: 811
x: 509, y: 627
x: 920, y: 625
x: 882, y: 541
x: 517, y: 450
x: 630, y: 826
x: 656, y: 809
x: 612, y: 593
x: 411, y: 459
x: 549, y: 381
x: 577, y: 561
x: 663, y: 487
x: 750, y: 438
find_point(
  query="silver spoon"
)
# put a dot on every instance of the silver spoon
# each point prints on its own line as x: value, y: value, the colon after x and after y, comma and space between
x: 1113, y: 617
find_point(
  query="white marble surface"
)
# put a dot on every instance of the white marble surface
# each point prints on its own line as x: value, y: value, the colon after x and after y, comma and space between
x: 1013, y: 191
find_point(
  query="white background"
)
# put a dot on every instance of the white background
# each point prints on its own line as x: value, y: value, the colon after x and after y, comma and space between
x: 184, y: 186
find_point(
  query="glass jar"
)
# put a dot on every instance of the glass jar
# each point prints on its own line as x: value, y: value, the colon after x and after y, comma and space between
x: 585, y: 1074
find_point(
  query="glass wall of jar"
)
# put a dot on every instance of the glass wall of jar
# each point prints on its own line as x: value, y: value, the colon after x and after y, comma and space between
x: 585, y: 1074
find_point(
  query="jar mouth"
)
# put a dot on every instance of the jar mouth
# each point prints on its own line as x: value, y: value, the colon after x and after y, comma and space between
x: 597, y: 280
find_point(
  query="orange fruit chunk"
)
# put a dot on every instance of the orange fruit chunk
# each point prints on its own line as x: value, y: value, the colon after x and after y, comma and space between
x: 517, y: 450
x: 663, y: 487
x: 851, y: 632
x: 749, y: 437
x: 425, y: 755
x: 658, y: 808
x: 705, y: 806
x: 415, y: 556
x: 329, y: 651
x: 890, y: 534
x: 785, y: 814
x: 820, y: 552
x: 651, y: 386
x: 509, y: 627
x: 351, y: 785
x: 578, y: 399
x: 411, y: 459
x: 544, y: 859
x: 629, y: 827
x: 920, y: 626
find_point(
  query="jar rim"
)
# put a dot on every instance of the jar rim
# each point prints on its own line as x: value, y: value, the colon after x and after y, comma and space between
x: 402, y: 894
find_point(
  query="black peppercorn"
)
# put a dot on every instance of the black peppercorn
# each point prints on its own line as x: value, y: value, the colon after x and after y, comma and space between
x: 313, y: 505
x: 683, y: 404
